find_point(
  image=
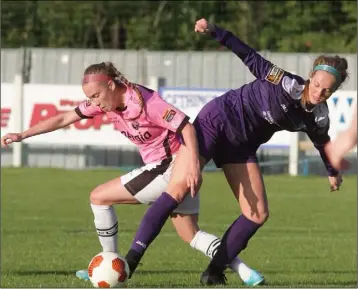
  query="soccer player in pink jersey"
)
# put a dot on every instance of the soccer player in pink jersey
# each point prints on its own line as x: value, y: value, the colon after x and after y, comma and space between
x: 155, y: 127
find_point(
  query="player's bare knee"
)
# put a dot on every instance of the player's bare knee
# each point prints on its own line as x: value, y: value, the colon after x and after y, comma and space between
x: 96, y: 197
x: 260, y: 217
x: 178, y: 191
x: 264, y: 217
x: 178, y: 195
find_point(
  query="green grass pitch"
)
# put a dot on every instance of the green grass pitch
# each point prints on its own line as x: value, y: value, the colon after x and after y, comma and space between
x: 47, y: 232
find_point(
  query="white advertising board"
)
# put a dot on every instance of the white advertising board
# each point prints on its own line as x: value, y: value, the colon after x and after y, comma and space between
x: 43, y: 101
x: 341, y: 105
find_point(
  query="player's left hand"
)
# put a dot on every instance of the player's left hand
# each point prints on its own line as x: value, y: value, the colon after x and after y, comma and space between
x: 201, y: 25
x: 335, y: 182
x: 194, y: 178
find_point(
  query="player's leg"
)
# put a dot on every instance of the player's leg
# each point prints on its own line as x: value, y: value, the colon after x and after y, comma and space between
x: 102, y: 199
x: 185, y: 221
x: 122, y: 190
x: 158, y: 213
x: 246, y: 182
x: 208, y: 127
x: 126, y: 189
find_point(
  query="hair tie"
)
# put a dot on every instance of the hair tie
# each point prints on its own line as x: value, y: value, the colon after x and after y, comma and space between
x: 329, y: 69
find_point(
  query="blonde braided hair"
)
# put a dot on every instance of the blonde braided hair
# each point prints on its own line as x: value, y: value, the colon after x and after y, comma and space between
x: 107, y: 68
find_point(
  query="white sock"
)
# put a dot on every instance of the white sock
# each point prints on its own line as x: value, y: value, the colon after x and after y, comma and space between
x: 208, y: 244
x: 105, y: 221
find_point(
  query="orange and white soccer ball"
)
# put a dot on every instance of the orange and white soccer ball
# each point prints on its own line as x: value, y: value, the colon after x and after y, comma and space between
x: 108, y: 269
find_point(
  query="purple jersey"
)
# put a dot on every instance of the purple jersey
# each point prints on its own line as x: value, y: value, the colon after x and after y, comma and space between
x: 272, y: 102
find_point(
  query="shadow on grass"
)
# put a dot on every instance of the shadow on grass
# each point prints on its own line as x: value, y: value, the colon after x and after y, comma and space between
x: 43, y: 272
x: 313, y: 271
x: 311, y: 283
x: 73, y: 272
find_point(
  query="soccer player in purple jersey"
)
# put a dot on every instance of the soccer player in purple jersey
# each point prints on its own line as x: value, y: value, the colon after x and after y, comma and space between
x: 230, y: 129
x: 154, y: 126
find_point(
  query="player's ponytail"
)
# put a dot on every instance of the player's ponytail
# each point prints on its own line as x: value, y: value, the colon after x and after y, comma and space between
x: 120, y: 78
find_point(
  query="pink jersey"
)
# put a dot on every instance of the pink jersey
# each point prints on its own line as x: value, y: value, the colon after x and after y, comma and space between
x: 154, y: 132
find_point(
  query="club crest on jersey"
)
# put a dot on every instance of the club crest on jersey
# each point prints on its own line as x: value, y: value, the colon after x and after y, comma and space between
x: 135, y: 125
x: 169, y: 115
x: 275, y: 75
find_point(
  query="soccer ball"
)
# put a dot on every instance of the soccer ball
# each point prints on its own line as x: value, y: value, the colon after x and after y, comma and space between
x: 108, y: 269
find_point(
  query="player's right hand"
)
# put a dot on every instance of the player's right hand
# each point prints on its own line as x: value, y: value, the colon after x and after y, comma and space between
x: 10, y: 138
x: 194, y: 178
x: 201, y: 25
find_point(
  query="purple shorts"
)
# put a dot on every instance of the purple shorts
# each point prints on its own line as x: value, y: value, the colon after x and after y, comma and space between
x: 214, y: 142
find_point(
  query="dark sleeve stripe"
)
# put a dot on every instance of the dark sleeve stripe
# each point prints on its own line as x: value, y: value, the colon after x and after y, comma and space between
x: 80, y: 114
x: 183, y: 123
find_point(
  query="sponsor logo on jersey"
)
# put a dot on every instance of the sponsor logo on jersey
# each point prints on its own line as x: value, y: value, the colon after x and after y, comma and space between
x: 139, y: 138
x: 275, y: 75
x: 169, y: 115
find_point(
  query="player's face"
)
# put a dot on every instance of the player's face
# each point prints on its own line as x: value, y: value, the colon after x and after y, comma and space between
x: 321, y: 86
x: 101, y: 94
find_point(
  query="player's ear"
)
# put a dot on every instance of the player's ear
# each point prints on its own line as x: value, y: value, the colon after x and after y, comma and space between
x: 111, y: 85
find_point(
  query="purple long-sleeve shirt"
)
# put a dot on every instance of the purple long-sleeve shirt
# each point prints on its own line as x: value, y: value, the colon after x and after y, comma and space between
x: 271, y: 103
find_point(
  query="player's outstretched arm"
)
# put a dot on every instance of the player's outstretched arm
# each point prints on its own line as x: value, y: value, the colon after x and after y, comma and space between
x: 320, y: 138
x: 345, y: 141
x: 166, y: 115
x: 258, y: 65
x: 48, y: 125
x: 348, y: 138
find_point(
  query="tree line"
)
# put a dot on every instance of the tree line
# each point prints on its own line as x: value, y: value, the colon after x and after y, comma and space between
x: 279, y: 26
